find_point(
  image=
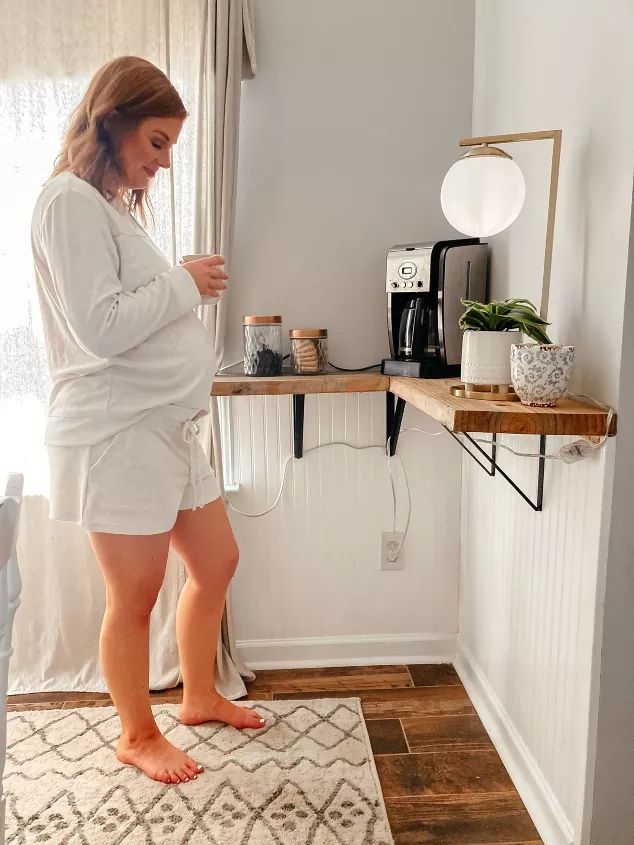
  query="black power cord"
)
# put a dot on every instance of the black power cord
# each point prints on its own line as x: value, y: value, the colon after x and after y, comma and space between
x: 330, y: 364
x: 353, y: 369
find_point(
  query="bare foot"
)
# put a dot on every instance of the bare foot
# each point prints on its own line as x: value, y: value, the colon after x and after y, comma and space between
x: 158, y: 759
x: 219, y: 709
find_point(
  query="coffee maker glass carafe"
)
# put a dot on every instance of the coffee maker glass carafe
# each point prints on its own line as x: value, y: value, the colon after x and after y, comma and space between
x: 406, y: 331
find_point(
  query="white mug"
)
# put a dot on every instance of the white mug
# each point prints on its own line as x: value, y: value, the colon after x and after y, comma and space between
x: 205, y: 300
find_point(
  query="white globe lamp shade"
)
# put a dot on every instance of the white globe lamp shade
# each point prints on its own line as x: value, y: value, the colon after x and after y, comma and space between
x: 483, y: 192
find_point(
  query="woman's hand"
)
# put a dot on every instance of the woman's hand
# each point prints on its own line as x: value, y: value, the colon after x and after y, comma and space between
x: 208, y: 274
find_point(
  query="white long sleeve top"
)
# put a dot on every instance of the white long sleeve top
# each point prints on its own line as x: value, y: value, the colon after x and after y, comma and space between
x: 121, y: 332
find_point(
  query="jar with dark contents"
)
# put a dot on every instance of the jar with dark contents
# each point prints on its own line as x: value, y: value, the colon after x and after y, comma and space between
x: 262, y: 345
x: 309, y: 351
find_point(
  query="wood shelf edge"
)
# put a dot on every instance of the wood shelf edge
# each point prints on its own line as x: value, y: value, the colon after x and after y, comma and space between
x: 559, y: 424
x: 292, y: 385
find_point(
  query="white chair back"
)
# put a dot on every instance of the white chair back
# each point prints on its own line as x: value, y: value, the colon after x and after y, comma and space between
x: 10, y: 588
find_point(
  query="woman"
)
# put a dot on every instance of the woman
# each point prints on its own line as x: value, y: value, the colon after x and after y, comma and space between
x: 131, y: 371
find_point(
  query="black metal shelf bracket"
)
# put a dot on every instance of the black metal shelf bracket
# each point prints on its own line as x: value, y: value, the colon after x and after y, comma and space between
x: 389, y: 415
x: 493, y: 466
x: 298, y: 424
x: 490, y: 470
x: 394, y: 422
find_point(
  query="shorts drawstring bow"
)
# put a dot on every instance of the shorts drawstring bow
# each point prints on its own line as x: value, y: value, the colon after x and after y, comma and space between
x: 190, y: 434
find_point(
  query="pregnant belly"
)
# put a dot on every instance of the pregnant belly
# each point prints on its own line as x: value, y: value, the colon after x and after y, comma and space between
x: 174, y: 365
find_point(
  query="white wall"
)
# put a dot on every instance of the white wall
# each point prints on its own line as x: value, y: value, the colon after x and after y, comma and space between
x: 532, y: 585
x: 346, y: 133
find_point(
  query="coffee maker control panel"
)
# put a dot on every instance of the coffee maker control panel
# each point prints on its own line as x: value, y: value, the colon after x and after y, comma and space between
x: 409, y: 269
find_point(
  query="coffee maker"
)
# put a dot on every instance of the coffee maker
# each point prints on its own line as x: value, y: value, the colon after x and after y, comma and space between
x: 424, y: 284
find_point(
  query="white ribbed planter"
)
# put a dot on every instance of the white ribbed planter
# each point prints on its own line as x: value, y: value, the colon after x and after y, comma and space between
x: 486, y: 357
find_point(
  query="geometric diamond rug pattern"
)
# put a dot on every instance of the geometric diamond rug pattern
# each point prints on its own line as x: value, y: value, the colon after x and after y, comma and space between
x: 307, y: 778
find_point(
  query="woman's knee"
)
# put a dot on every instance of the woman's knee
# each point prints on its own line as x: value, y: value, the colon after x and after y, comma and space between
x: 134, y: 604
x: 204, y: 540
x: 225, y: 564
x: 234, y: 560
x: 214, y: 570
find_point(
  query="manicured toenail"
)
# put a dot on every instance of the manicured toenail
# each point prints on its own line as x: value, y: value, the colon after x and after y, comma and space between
x: 200, y: 768
x: 195, y: 776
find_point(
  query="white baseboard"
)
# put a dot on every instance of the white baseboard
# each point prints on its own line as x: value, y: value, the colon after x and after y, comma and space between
x: 310, y: 652
x: 544, y: 808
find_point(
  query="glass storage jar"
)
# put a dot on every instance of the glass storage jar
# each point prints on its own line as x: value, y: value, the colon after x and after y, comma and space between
x: 262, y: 345
x: 309, y: 351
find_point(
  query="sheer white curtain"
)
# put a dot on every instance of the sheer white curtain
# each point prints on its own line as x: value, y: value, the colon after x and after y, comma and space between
x: 48, y: 51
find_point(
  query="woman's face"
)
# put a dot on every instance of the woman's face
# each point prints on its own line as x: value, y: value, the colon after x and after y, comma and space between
x: 146, y: 149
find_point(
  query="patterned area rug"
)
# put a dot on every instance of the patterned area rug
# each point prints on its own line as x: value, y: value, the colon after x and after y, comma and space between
x: 307, y: 777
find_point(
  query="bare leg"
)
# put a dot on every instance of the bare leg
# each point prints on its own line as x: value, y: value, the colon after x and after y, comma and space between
x: 204, y: 540
x: 133, y: 568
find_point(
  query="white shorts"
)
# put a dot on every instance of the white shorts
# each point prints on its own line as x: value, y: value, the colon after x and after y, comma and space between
x: 136, y: 481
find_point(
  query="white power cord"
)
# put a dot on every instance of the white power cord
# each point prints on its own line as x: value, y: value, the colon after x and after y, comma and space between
x: 286, y: 463
x: 409, y: 501
x: 409, y: 494
x: 423, y: 431
x: 229, y: 366
x: 358, y: 448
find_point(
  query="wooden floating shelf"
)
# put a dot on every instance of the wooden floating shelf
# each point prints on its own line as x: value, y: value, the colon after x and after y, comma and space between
x: 432, y: 396
x: 568, y: 417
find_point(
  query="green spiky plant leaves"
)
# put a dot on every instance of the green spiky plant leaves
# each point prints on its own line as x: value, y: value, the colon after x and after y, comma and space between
x: 504, y: 316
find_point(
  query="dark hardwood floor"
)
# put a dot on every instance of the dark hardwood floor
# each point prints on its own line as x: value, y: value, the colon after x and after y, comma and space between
x: 442, y: 779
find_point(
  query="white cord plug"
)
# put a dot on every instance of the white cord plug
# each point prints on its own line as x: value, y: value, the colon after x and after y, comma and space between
x: 577, y: 451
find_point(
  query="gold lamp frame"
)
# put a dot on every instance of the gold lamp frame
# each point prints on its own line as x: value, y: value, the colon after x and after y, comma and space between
x: 553, y: 135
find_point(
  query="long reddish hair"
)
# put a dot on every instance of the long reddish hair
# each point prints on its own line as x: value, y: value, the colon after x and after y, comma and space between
x: 120, y: 95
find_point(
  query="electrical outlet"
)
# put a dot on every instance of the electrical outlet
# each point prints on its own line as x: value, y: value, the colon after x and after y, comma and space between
x: 390, y: 544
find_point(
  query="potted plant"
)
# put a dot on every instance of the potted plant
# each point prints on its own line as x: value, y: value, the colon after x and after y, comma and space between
x: 489, y: 332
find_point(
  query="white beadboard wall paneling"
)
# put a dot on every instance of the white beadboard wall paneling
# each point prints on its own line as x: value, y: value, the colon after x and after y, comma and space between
x: 609, y: 811
x: 533, y: 586
x: 528, y: 586
x: 309, y: 582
